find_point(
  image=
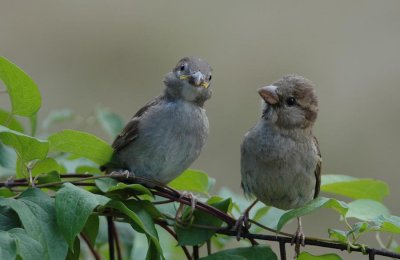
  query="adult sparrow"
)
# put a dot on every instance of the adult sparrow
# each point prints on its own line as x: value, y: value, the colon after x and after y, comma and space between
x: 280, y: 157
x: 167, y: 135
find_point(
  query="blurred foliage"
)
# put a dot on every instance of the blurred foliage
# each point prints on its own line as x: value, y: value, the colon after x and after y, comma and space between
x: 47, y: 220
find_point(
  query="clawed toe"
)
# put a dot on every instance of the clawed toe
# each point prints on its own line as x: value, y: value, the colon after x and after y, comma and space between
x: 193, y: 203
x: 298, y: 238
x: 127, y: 174
x: 241, y: 223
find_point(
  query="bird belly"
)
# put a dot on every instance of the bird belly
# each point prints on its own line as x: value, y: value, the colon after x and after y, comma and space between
x: 284, y: 189
x: 279, y: 173
x: 174, y: 144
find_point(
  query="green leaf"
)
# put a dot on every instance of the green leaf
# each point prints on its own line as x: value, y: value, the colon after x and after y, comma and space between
x: 361, y: 227
x: 320, y: 202
x: 21, y: 169
x: 33, y: 120
x: 87, y: 169
x: 73, y: 253
x: 112, y: 185
x: 260, y: 213
x: 57, y: 116
x: 73, y: 207
x: 254, y: 252
x: 111, y: 122
x: 108, y: 185
x: 104, y: 184
x: 36, y: 211
x: 387, y: 223
x: 355, y: 188
x: 138, y: 188
x: 81, y: 144
x: 272, y: 217
x: 196, y: 236
x: 5, y: 192
x: 335, y: 178
x: 8, y: 247
x: 365, y: 209
x: 27, y: 247
x: 8, y: 157
x: 191, y: 180
x: 8, y: 219
x: 45, y: 166
x: 308, y: 256
x: 8, y: 120
x: 145, y: 217
x: 91, y: 228
x: 141, y: 222
x: 338, y: 235
x: 24, y: 94
x: 28, y: 148
x: 50, y: 177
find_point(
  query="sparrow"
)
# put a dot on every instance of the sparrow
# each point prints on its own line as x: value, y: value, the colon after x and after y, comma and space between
x: 167, y: 135
x: 280, y: 157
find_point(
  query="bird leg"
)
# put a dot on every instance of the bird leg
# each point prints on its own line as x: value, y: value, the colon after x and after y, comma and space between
x: 243, y: 221
x: 193, y: 202
x: 298, y: 237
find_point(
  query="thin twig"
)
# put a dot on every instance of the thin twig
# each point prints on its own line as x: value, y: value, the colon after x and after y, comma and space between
x: 310, y: 242
x: 110, y: 238
x: 76, y: 175
x: 172, y: 233
x: 195, y: 252
x: 117, y: 243
x: 91, y: 248
x: 162, y: 202
x: 209, y: 247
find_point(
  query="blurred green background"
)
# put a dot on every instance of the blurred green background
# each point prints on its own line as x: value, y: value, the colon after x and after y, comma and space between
x: 115, y: 53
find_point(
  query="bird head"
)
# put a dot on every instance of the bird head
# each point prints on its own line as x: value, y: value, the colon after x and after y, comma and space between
x: 290, y: 102
x: 190, y: 80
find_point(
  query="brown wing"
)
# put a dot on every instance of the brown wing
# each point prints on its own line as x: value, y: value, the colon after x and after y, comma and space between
x: 317, y: 170
x: 131, y: 130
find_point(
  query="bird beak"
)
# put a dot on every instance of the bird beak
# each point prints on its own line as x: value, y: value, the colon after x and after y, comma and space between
x: 268, y: 93
x: 196, y: 79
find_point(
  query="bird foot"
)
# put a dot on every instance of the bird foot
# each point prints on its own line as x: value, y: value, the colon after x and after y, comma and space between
x: 179, y: 212
x: 241, y: 223
x: 127, y: 174
x: 298, y: 239
x: 8, y: 183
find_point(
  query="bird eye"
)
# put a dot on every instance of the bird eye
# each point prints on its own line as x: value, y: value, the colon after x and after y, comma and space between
x: 290, y: 101
x: 209, y: 78
x: 182, y: 68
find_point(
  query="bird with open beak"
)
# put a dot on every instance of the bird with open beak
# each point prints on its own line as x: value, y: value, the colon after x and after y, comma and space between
x: 167, y: 135
x: 280, y: 157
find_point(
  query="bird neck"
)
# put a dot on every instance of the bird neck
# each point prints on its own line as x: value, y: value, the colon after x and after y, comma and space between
x: 296, y: 133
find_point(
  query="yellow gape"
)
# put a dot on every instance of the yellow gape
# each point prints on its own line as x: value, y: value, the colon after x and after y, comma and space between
x: 202, y: 84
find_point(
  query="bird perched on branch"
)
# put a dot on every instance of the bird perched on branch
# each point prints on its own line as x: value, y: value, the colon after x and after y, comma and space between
x: 167, y: 135
x: 280, y: 157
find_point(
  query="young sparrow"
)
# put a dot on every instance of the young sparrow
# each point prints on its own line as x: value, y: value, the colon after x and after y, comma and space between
x: 166, y: 136
x: 280, y: 158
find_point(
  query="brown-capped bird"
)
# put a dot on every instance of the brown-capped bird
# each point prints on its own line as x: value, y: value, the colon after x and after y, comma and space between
x: 280, y: 157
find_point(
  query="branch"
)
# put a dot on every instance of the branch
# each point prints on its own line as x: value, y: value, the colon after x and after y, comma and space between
x: 173, y: 234
x: 172, y: 195
x: 311, y: 242
x: 91, y: 248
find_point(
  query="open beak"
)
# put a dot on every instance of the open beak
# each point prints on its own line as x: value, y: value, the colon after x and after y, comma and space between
x: 268, y: 93
x: 196, y: 79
